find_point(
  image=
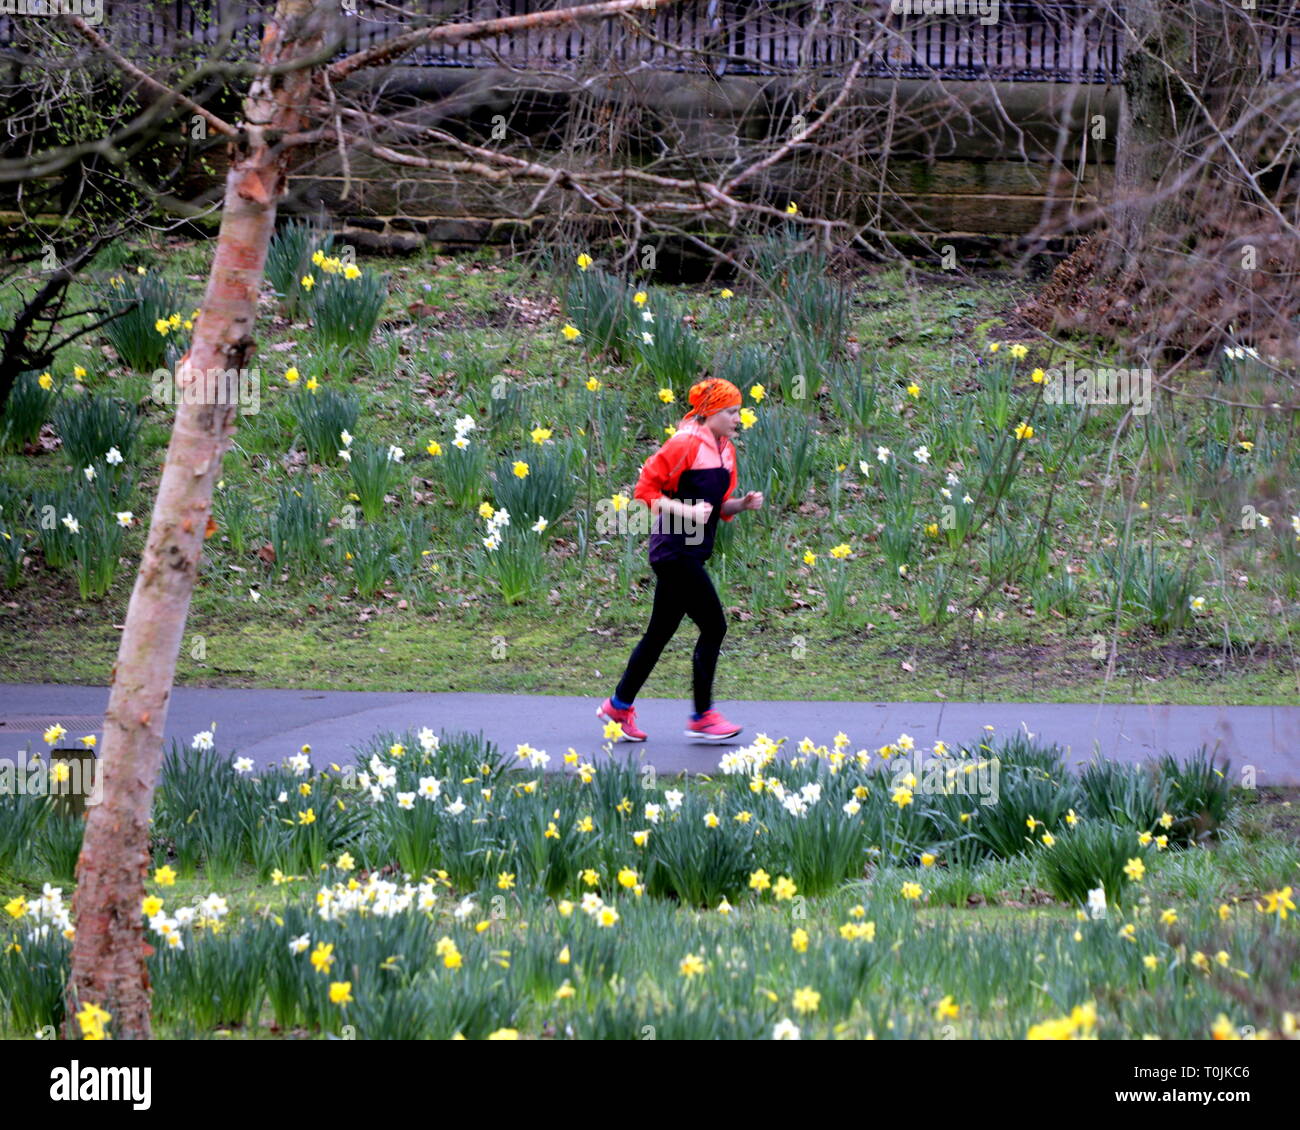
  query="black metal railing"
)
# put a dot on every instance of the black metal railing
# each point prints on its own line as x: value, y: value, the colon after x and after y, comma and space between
x: 1028, y: 41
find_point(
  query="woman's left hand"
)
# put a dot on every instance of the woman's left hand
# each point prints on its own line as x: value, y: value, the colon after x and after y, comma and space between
x: 752, y: 501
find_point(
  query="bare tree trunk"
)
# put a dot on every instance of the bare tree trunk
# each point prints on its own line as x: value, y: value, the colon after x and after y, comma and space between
x: 1152, y: 112
x: 108, y: 954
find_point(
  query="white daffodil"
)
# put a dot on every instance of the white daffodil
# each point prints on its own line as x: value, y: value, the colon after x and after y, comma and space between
x: 214, y: 906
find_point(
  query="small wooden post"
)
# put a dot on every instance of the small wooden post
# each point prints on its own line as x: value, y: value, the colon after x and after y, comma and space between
x: 70, y: 795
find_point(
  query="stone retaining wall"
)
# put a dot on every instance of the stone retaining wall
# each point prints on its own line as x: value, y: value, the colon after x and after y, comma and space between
x: 977, y: 175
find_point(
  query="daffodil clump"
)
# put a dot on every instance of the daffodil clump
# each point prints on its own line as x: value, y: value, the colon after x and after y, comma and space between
x: 344, y: 301
x: 418, y: 957
x: 795, y: 887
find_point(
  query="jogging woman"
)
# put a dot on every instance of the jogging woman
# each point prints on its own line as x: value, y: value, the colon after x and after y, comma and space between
x: 687, y: 485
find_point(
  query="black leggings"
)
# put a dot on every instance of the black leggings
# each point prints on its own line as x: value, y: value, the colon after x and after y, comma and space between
x: 683, y: 589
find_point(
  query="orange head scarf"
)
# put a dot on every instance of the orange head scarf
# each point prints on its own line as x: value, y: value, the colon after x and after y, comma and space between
x: 712, y: 395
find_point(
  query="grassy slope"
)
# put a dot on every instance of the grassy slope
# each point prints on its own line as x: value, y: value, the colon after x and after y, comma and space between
x: 315, y: 635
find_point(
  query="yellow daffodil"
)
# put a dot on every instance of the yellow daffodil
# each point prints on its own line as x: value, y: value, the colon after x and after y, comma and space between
x: 92, y: 1019
x: 1277, y: 902
x: 322, y: 957
x: 691, y: 966
x: 807, y: 1000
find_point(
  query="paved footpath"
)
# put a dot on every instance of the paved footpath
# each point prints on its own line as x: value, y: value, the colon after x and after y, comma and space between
x: 267, y: 725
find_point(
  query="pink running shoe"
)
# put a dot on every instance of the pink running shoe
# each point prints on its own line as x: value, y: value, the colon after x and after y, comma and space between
x: 713, y: 727
x: 625, y: 718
